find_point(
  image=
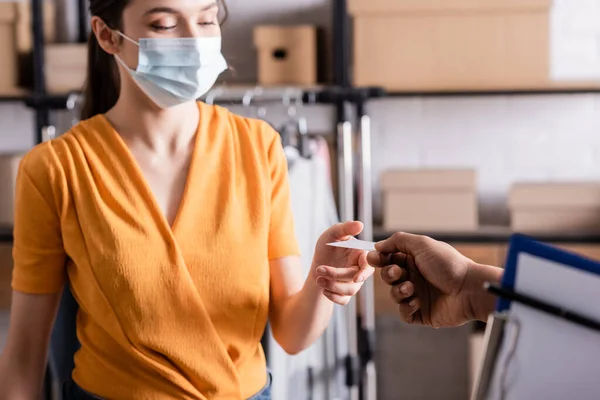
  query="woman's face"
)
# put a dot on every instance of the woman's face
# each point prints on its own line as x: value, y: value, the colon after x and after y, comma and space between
x: 166, y: 19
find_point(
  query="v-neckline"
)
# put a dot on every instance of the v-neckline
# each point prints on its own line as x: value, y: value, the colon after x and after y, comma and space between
x: 144, y: 185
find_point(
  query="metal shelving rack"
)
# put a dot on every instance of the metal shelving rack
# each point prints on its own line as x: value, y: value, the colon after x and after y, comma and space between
x: 39, y: 100
x: 356, y: 201
x: 42, y: 104
x: 363, y: 185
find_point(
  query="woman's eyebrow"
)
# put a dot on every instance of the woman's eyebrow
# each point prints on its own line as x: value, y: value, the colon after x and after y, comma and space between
x: 157, y: 10
x: 210, y: 6
x: 170, y: 10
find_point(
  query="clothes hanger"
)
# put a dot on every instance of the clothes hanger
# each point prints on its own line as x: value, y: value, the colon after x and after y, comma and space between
x: 297, y: 126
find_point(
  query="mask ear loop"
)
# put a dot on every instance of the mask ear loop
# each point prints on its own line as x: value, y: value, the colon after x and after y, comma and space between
x: 119, y: 60
x: 124, y: 36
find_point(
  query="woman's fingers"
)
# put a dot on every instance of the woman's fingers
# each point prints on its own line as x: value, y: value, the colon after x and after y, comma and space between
x: 338, y: 274
x: 336, y: 298
x: 339, y: 288
x: 365, y: 271
x: 340, y: 284
x: 364, y: 274
x: 343, y: 231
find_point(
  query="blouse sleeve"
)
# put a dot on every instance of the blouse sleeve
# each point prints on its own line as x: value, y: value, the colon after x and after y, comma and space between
x: 38, y: 251
x: 282, y: 237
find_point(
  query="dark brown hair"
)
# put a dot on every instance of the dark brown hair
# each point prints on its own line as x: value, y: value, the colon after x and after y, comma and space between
x: 102, y: 88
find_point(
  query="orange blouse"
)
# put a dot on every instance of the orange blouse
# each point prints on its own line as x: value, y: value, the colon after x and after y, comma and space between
x: 165, y: 312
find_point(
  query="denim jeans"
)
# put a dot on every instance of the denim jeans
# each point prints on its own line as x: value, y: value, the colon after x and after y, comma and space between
x: 265, y: 393
x: 73, y: 392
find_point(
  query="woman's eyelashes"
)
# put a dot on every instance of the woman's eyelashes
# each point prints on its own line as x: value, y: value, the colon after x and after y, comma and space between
x: 160, y: 28
x: 209, y: 19
x: 164, y: 27
x: 164, y: 24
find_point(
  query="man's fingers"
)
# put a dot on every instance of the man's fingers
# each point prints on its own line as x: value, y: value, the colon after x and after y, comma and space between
x: 408, y: 311
x: 402, y: 292
x: 401, y: 243
x: 393, y: 275
x: 338, y: 274
x: 381, y: 260
x: 344, y: 231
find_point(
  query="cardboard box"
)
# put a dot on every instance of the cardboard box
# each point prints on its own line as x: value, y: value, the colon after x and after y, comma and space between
x: 590, y: 251
x: 430, y: 200
x: 555, y: 208
x: 451, y: 45
x: 24, y: 34
x: 6, y: 267
x: 8, y: 52
x: 287, y: 55
x: 9, y: 166
x: 66, y: 67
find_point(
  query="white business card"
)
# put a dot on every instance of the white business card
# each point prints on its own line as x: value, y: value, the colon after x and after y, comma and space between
x: 355, y: 244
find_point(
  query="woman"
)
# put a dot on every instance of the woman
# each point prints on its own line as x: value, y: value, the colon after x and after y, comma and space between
x: 171, y: 221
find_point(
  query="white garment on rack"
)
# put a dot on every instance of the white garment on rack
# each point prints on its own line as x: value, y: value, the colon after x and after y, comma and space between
x: 314, y: 212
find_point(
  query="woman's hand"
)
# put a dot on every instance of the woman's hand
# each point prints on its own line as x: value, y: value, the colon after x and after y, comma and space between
x: 340, y: 272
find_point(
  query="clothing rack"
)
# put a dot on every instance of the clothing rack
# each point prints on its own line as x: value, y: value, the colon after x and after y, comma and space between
x: 290, y: 97
x: 354, y: 198
x: 39, y: 100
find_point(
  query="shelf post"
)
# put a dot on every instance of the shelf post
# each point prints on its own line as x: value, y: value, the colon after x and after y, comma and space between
x: 42, y: 114
x: 341, y: 44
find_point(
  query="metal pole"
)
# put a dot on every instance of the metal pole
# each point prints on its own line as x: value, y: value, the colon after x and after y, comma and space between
x: 42, y: 117
x: 345, y: 171
x: 367, y: 295
x: 82, y: 22
x: 341, y: 44
x: 42, y: 114
x: 346, y: 203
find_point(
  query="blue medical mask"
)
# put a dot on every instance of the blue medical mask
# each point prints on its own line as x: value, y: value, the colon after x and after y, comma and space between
x: 172, y: 71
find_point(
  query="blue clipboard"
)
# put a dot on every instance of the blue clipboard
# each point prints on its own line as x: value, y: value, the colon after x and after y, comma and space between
x: 520, y: 243
x: 497, y: 322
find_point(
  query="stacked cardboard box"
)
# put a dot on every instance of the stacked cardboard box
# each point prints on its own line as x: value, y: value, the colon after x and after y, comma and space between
x: 24, y: 37
x: 6, y: 266
x: 16, y: 43
x: 287, y: 55
x: 449, y: 45
x: 8, y: 51
x: 9, y: 164
x: 66, y: 67
x: 430, y: 200
x: 555, y: 208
